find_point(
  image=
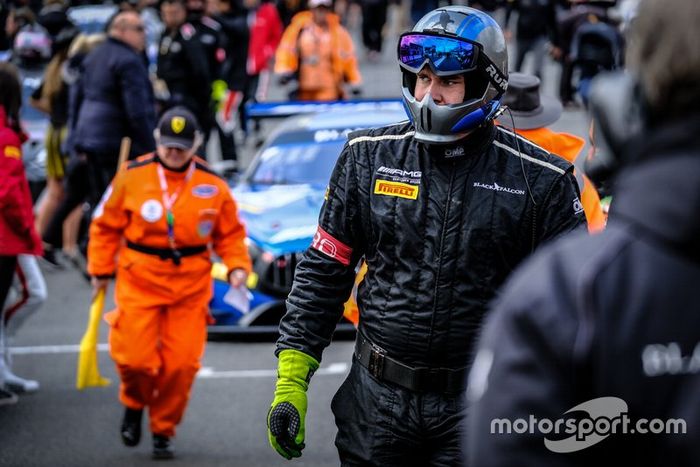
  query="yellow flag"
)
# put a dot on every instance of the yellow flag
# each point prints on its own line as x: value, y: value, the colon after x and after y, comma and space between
x: 88, y: 373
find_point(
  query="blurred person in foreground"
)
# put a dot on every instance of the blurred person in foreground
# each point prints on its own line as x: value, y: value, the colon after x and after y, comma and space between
x: 441, y: 208
x: 606, y: 328
x: 163, y: 216
x: 112, y: 99
x: 318, y: 52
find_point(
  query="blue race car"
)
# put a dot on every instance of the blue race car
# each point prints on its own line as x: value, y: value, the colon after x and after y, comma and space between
x: 279, y: 198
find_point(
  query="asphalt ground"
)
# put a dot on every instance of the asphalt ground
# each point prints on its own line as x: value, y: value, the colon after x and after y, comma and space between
x: 225, y: 420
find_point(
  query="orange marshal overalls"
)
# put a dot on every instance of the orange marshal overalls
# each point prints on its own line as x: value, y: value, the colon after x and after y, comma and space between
x: 158, y: 330
x: 323, y: 59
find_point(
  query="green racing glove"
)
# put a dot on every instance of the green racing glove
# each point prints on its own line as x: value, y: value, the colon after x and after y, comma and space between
x: 285, y: 419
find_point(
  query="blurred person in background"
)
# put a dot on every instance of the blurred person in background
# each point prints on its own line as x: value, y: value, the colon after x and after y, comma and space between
x: 579, y: 13
x: 51, y: 97
x: 536, y: 24
x: 231, y: 83
x: 155, y: 230
x: 113, y: 99
x: 54, y: 18
x: 61, y: 233
x: 210, y: 34
x: 253, y: 31
x: 606, y: 328
x: 182, y: 63
x: 373, y: 20
x: 17, y: 233
x: 318, y: 52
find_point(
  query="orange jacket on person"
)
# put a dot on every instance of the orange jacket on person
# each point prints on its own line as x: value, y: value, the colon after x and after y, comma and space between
x: 158, y: 330
x: 132, y: 209
x: 569, y: 147
x: 323, y: 59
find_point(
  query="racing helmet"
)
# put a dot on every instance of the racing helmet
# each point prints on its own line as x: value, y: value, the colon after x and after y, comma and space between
x: 32, y: 46
x: 454, y: 40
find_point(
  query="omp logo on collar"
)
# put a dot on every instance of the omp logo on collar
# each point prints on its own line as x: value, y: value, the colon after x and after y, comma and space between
x: 331, y: 247
x: 496, y: 187
x: 578, y: 206
x: 401, y: 190
x: 454, y: 152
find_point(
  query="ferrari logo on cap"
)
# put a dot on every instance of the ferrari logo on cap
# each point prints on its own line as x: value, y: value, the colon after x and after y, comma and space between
x: 177, y: 124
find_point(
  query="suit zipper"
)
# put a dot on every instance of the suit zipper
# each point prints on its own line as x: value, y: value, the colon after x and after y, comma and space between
x: 442, y: 244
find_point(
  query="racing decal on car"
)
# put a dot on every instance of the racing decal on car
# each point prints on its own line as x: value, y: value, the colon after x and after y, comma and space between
x: 400, y: 190
x: 205, y: 191
x: 331, y: 247
x: 13, y: 152
x: 151, y: 210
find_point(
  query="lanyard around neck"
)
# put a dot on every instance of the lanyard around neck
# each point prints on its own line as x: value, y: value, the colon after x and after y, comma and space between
x: 169, y: 199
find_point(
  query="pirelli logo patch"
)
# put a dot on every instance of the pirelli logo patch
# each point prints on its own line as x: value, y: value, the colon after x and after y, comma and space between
x: 400, y: 190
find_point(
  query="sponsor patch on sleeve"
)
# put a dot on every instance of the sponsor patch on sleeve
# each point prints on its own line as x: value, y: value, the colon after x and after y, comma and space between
x: 13, y: 152
x: 331, y: 247
x: 400, y: 190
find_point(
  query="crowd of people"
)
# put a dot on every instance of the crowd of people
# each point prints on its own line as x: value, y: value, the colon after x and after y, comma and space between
x: 486, y: 186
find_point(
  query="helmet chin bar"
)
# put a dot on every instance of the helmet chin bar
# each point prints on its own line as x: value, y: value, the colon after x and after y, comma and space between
x: 445, y: 124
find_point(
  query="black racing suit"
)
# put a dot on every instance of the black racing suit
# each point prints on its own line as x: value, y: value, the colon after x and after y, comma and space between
x: 440, y: 229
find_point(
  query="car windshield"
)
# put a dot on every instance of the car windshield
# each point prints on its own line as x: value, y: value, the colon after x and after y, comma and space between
x: 297, y: 164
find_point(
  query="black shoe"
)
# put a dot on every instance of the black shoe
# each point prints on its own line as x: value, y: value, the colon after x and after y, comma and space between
x: 131, y: 427
x: 162, y: 448
x: 7, y: 397
x: 50, y: 257
x: 78, y: 261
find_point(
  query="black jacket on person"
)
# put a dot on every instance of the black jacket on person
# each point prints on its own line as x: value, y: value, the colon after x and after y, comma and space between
x: 535, y: 18
x: 439, y: 228
x: 235, y: 27
x: 183, y: 65
x: 611, y: 315
x: 113, y: 98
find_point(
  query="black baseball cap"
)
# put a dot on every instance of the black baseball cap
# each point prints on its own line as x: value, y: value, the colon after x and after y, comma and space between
x: 178, y: 128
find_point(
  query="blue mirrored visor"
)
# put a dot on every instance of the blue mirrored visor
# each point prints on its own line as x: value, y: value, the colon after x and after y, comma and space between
x: 447, y: 55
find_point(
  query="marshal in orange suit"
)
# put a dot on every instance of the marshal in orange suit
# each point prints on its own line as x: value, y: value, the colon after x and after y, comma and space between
x: 155, y: 229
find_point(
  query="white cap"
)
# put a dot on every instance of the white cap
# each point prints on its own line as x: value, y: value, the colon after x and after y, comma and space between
x: 317, y: 3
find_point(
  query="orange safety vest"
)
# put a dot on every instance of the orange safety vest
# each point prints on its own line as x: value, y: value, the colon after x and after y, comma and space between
x: 569, y: 147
